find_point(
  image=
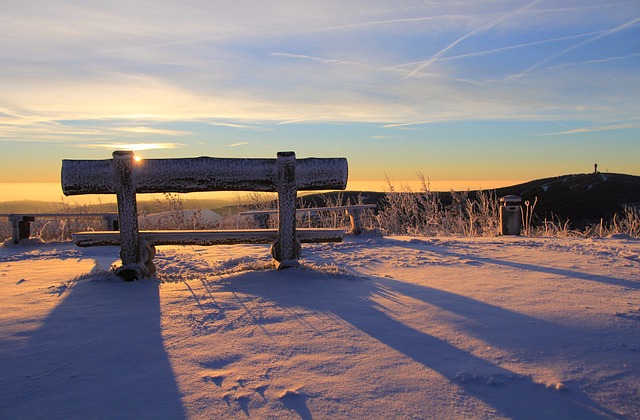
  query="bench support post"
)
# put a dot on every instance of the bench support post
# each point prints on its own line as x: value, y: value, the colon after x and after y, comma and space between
x: 356, y: 224
x: 110, y: 222
x: 125, y: 186
x: 262, y: 219
x: 286, y: 249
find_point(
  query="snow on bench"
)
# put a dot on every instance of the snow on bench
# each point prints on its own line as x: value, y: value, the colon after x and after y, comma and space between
x: 21, y: 222
x: 354, y: 211
x: 124, y: 176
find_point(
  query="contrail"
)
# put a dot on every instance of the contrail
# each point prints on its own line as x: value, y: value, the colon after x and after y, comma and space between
x: 523, y: 45
x: 579, y: 44
x: 494, y: 22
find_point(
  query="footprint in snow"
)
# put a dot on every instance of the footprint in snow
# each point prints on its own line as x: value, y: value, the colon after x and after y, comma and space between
x: 297, y: 402
x: 216, y: 379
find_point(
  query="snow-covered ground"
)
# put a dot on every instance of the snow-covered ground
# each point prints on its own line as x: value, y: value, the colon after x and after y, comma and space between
x: 391, y: 327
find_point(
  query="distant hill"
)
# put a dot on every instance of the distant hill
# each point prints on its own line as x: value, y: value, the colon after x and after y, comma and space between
x: 581, y: 198
x: 29, y: 206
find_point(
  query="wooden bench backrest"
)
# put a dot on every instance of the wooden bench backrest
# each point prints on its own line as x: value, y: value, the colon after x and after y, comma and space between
x: 182, y: 175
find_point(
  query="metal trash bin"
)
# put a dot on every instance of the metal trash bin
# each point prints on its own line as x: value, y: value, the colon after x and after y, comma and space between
x: 510, y: 215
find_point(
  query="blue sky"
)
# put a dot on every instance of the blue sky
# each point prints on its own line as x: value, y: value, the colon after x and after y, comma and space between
x: 457, y: 90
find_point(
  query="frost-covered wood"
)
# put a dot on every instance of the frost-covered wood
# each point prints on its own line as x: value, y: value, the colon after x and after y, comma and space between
x: 125, y: 188
x: 208, y: 237
x: 126, y: 177
x: 182, y: 175
x: 286, y: 248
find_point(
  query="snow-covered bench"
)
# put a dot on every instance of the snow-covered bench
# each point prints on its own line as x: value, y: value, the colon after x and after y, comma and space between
x: 354, y: 212
x: 21, y: 222
x: 125, y: 177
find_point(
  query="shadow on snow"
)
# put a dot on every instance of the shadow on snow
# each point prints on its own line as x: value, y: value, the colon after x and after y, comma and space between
x: 353, y: 301
x: 98, y: 354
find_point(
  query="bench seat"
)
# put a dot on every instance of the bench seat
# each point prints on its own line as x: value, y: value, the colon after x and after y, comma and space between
x: 208, y: 237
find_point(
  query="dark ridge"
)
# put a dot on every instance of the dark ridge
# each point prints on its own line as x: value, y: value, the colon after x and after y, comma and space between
x: 582, y: 199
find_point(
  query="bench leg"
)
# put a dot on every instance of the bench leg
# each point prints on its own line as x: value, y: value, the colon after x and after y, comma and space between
x: 143, y: 268
x: 356, y: 224
x: 151, y: 253
x: 24, y: 229
x: 111, y: 222
x: 133, y: 267
x: 286, y: 249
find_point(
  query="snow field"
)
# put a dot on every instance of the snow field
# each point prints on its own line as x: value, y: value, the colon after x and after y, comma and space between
x: 396, y: 327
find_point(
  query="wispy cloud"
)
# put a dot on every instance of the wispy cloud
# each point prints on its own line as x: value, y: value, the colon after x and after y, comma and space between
x: 241, y: 143
x: 231, y: 125
x: 131, y: 146
x: 612, y: 127
x: 304, y: 57
x: 151, y: 130
x: 407, y: 124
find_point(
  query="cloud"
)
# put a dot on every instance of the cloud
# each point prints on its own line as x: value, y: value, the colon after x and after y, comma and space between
x: 407, y: 124
x: 612, y: 127
x: 241, y: 143
x: 234, y: 125
x: 304, y: 57
x: 131, y: 146
x: 150, y: 130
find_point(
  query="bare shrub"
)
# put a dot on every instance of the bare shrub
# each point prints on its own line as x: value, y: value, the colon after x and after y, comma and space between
x: 405, y: 212
x: 5, y: 229
x: 626, y: 224
x: 250, y: 201
x: 527, y: 216
x: 422, y: 213
x: 550, y: 227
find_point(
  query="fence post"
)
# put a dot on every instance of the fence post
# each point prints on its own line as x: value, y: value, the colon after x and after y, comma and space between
x: 286, y: 249
x: 125, y: 187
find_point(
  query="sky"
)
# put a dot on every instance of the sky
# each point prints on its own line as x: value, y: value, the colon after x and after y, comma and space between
x: 470, y: 91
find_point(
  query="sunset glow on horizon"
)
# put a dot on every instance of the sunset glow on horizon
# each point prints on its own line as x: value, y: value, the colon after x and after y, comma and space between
x: 468, y: 91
